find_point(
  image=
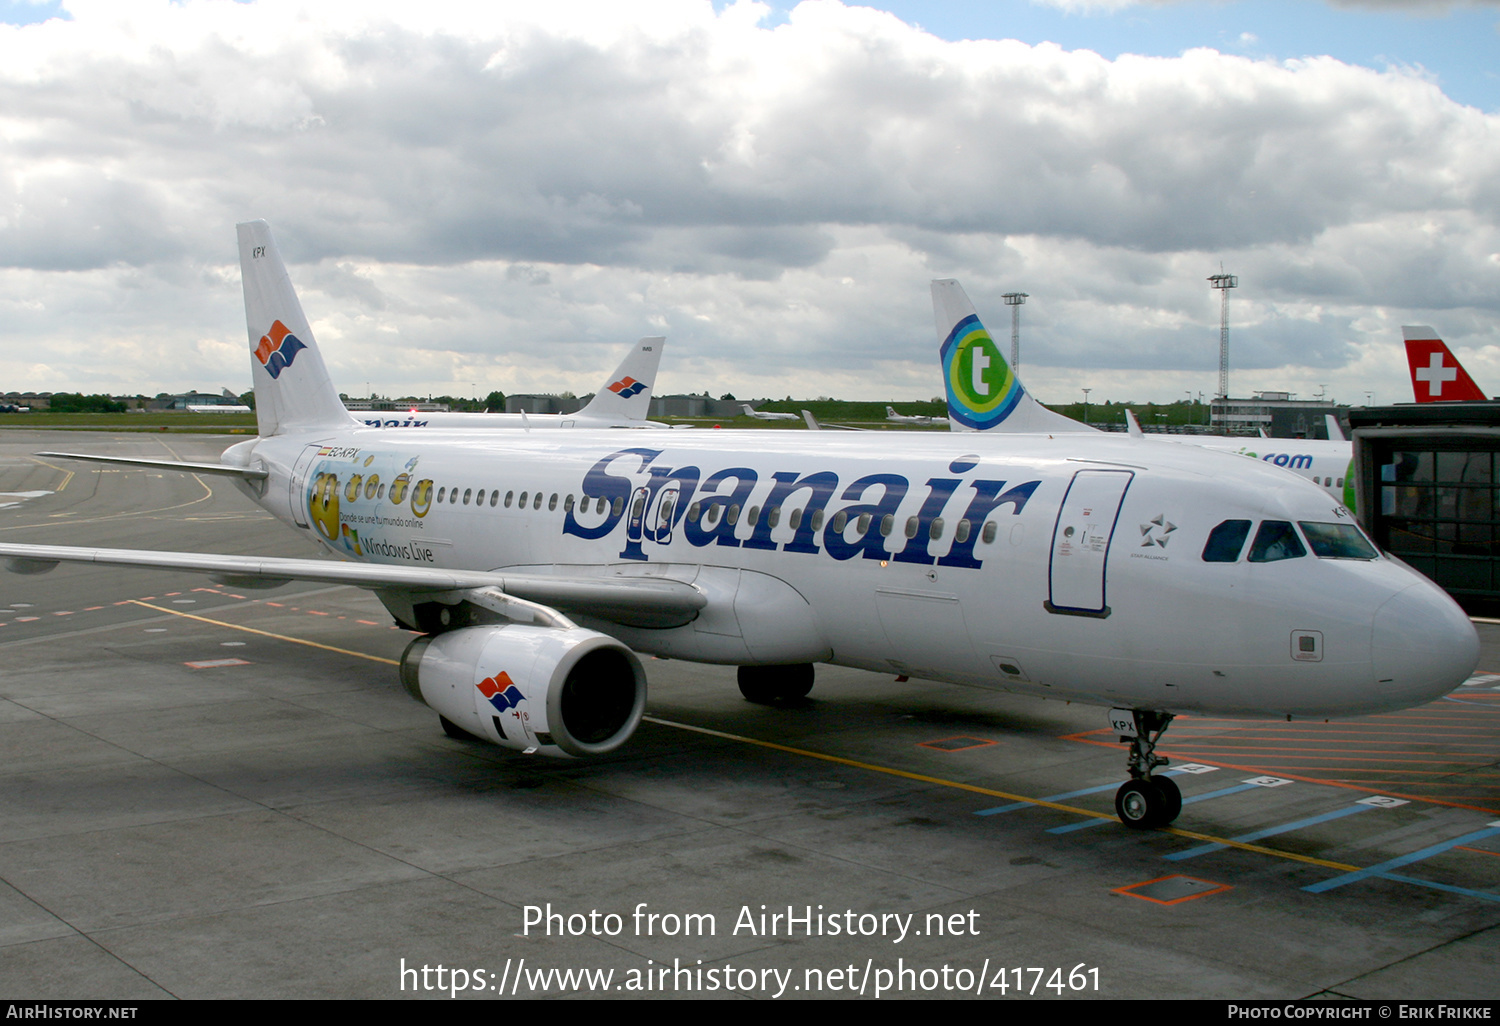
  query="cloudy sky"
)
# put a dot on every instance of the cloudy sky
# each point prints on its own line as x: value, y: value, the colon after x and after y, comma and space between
x: 482, y: 196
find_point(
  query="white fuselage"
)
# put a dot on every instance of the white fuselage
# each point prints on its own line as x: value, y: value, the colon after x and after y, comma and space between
x: 1067, y: 567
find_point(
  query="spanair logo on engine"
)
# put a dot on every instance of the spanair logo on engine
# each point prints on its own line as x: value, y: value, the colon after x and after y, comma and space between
x: 278, y: 348
x: 982, y: 390
x: 501, y: 692
x: 627, y: 387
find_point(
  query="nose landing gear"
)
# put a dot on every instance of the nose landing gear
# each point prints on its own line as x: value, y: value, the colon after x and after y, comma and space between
x: 1145, y: 801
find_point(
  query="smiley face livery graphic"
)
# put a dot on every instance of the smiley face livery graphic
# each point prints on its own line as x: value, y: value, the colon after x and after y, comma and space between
x: 323, y: 505
x: 421, y: 497
x: 982, y: 389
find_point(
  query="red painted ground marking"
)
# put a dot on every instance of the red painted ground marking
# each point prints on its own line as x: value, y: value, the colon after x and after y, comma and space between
x: 961, y: 743
x: 91, y: 609
x: 314, y: 612
x: 1219, y: 889
x: 207, y: 664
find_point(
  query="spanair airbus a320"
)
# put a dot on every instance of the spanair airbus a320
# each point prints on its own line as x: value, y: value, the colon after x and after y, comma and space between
x: 1152, y: 580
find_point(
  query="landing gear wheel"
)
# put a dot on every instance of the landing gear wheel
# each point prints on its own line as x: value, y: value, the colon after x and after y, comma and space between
x: 1138, y: 804
x: 1171, y: 798
x: 766, y: 684
x: 1143, y: 804
x: 454, y: 731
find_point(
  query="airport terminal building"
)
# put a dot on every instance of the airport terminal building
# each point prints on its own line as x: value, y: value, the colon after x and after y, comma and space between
x: 1427, y: 479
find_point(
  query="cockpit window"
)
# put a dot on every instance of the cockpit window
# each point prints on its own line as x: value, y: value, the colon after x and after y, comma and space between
x: 1225, y: 541
x: 1337, y: 541
x: 1275, y: 540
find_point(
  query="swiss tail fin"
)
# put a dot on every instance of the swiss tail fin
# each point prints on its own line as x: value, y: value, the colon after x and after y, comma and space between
x: 626, y: 394
x: 984, y: 394
x: 292, y: 389
x: 1436, y: 374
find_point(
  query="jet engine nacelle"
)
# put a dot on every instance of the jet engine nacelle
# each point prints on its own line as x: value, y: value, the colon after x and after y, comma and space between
x: 538, y: 689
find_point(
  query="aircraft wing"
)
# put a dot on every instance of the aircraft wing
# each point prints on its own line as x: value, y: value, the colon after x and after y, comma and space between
x: 609, y: 598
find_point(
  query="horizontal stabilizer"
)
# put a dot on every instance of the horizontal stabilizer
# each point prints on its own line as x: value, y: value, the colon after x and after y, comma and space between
x: 248, y: 473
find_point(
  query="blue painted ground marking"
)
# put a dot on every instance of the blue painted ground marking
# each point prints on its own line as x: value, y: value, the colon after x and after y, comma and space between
x: 1204, y: 849
x: 1384, y: 868
x: 1465, y: 891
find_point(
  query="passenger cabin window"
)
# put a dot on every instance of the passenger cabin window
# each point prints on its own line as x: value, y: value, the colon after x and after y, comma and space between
x: 1275, y: 540
x: 1226, y: 541
x: 1337, y: 541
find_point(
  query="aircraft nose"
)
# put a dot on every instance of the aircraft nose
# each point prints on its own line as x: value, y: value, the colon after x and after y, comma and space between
x: 1423, y: 645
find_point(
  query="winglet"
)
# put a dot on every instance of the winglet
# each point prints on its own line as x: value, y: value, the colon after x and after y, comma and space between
x: 1133, y: 426
x: 984, y: 394
x: 1335, y: 430
x: 626, y: 394
x: 293, y: 391
x: 1436, y: 374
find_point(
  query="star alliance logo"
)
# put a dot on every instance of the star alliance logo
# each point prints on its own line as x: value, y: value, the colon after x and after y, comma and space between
x: 1157, y: 532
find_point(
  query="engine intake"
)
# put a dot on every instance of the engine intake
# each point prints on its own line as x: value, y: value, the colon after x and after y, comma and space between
x: 557, y: 692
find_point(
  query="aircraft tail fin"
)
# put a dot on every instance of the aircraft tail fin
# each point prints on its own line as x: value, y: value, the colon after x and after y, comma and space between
x: 1436, y: 374
x: 626, y: 394
x: 984, y: 394
x: 293, y: 391
x: 811, y: 421
x: 1335, y: 430
x: 1133, y: 426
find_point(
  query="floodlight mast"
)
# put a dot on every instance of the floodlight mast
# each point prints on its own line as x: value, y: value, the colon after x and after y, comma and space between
x: 1223, y: 282
x: 1014, y: 301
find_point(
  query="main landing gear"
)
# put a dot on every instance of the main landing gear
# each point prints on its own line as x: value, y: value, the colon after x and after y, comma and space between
x: 767, y: 684
x: 1145, y: 801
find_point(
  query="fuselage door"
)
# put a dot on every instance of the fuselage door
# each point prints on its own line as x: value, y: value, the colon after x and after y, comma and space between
x: 1080, y: 542
x: 297, y: 483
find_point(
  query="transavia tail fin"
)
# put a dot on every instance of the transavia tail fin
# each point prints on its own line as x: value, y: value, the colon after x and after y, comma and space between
x: 983, y: 393
x: 292, y: 389
x: 626, y: 394
x: 1436, y: 374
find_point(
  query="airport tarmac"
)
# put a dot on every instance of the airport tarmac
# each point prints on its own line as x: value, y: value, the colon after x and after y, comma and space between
x: 217, y: 793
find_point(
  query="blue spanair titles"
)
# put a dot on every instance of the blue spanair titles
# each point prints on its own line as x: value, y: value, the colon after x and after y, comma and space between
x: 821, y: 512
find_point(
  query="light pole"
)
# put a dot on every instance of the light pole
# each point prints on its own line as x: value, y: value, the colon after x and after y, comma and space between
x: 1224, y: 282
x: 1014, y: 301
x: 1086, y: 392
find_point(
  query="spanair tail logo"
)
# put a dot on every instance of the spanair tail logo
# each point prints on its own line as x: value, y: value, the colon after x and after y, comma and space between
x: 982, y: 390
x: 627, y: 387
x: 278, y: 348
x: 500, y: 691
